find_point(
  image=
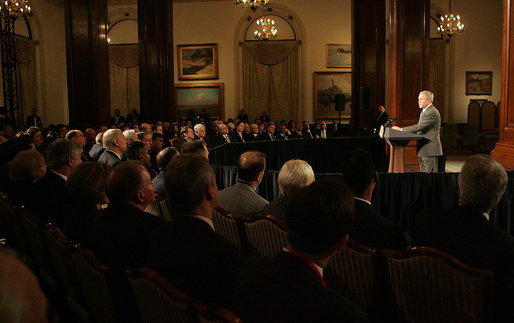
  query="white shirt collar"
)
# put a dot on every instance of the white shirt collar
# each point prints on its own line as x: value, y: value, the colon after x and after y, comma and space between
x: 428, y: 106
x: 115, y: 153
x: 204, y: 219
x: 61, y: 175
x: 315, y: 264
x: 363, y: 200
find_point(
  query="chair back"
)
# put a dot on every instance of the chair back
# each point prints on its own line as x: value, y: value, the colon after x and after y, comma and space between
x: 154, y: 208
x: 165, y: 210
x: 470, y: 135
x: 227, y: 226
x: 266, y: 235
x: 158, y: 301
x: 94, y: 284
x: 352, y: 273
x: 474, y: 113
x: 12, y: 226
x: 432, y: 286
x: 488, y: 117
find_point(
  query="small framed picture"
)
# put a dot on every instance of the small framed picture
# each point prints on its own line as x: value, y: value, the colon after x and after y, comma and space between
x: 197, y: 62
x: 339, y: 55
x: 199, y: 96
x: 479, y: 83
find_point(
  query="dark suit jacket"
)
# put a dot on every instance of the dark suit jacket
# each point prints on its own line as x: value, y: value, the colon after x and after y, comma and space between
x: 382, y: 118
x: 120, y: 236
x: 267, y: 136
x: 311, y: 134
x: 428, y: 126
x: 77, y: 224
x: 220, y: 140
x: 280, y: 136
x: 197, y: 261
x: 158, y: 185
x: 52, y: 199
x: 236, y: 138
x: 255, y: 137
x: 295, y: 135
x: 30, y: 122
x: 373, y: 230
x: 120, y: 120
x: 467, y: 235
x: 109, y: 158
x: 329, y: 133
x: 286, y: 289
x: 278, y: 208
x: 96, y: 151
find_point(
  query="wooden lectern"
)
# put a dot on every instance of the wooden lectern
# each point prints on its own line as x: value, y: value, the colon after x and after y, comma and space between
x: 397, y: 141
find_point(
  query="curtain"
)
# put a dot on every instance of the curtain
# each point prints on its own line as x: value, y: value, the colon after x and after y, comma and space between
x: 124, y: 77
x: 270, y: 79
x: 26, y: 69
x: 437, y: 73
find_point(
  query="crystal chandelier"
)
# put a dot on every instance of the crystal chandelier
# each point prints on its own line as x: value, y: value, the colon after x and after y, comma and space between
x: 450, y: 24
x: 15, y: 8
x: 266, y: 29
x: 253, y: 4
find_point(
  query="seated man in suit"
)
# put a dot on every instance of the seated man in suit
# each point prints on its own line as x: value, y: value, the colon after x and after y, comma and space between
x: 465, y: 231
x: 163, y: 159
x: 187, y: 251
x: 78, y: 137
x: 200, y: 134
x: 369, y: 228
x: 307, y: 133
x: 282, y: 132
x: 157, y: 143
x: 196, y: 147
x: 136, y: 150
x: 242, y: 198
x: 119, y: 237
x: 254, y: 133
x: 115, y: 143
x: 98, y: 148
x: 324, y: 133
x: 223, y: 136
x: 187, y: 135
x: 290, y: 286
x: 269, y: 134
x: 51, y: 198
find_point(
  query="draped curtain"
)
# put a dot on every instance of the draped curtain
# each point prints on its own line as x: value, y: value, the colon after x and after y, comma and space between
x: 124, y: 77
x: 437, y: 72
x: 26, y: 69
x: 270, y: 79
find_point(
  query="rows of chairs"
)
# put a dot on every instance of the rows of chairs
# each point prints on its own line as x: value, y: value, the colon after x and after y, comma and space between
x: 86, y: 290
x: 420, y: 285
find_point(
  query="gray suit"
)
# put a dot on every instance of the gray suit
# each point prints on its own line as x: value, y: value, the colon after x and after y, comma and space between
x: 241, y: 199
x: 429, y: 148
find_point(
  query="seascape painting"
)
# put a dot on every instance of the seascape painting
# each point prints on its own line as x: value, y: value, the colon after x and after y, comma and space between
x: 198, y: 97
x: 339, y: 55
x: 198, y: 62
x: 326, y: 86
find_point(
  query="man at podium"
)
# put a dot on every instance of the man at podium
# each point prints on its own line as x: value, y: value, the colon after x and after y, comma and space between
x: 428, y: 125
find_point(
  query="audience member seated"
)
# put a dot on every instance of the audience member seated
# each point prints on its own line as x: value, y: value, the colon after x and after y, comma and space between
x: 200, y: 134
x: 254, y: 133
x: 8, y: 152
x: 130, y: 135
x: 369, y: 228
x: 282, y: 133
x: 90, y: 139
x: 324, y: 133
x: 157, y: 143
x: 269, y: 134
x: 307, y: 133
x: 164, y: 157
x: 187, y: 251
x: 21, y: 297
x: 242, y: 198
x: 293, y: 175
x: 222, y: 137
x: 195, y: 147
x: 187, y: 135
x: 37, y: 137
x: 290, y: 286
x: 87, y: 184
x: 145, y: 138
x: 6, y: 132
x: 120, y: 236
x: 239, y: 135
x: 98, y: 148
x: 136, y: 150
x: 52, y: 199
x: 27, y: 167
x: 115, y: 144
x: 297, y: 132
x: 465, y: 231
x: 78, y: 137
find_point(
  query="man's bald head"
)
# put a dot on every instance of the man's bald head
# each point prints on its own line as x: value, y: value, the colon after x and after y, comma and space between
x: 128, y: 184
x: 250, y: 164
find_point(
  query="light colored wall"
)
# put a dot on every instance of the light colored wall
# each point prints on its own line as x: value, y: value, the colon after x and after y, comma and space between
x: 201, y: 22
x: 48, y: 20
x: 478, y: 48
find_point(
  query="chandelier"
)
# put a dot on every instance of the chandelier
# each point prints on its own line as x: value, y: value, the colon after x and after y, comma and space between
x: 253, y: 4
x: 266, y: 29
x: 450, y: 24
x: 15, y: 8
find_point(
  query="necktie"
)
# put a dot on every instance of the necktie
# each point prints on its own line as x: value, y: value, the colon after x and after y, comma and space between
x: 420, y: 114
x: 227, y: 138
x: 323, y: 134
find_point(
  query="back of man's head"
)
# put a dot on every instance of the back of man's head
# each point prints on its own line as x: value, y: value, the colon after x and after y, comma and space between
x: 124, y: 182
x: 58, y: 152
x: 134, y: 150
x: 319, y: 216
x: 99, y: 138
x: 109, y: 136
x: 186, y: 179
x: 165, y: 156
x: 250, y: 164
x: 194, y: 147
x: 73, y: 133
x: 482, y: 182
x: 358, y: 170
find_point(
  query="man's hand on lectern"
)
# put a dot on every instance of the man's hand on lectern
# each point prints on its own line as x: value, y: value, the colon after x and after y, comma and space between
x: 396, y: 128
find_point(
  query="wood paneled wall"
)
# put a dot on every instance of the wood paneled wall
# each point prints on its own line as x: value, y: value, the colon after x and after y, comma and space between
x: 368, y: 42
x: 156, y: 59
x: 504, y: 150
x: 87, y: 59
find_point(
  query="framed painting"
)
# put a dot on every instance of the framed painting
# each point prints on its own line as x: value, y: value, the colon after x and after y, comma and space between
x: 199, y: 96
x: 339, y: 55
x: 326, y: 86
x: 479, y: 83
x: 197, y: 62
